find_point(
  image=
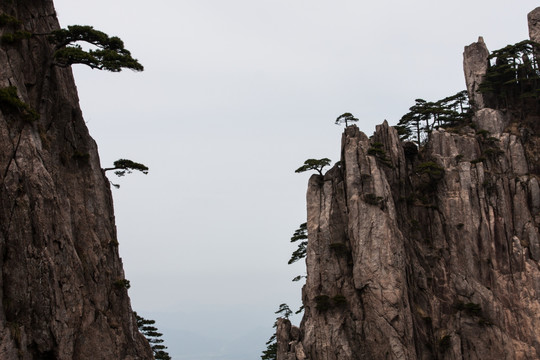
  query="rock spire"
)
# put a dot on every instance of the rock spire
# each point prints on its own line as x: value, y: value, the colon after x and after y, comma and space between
x: 431, y: 254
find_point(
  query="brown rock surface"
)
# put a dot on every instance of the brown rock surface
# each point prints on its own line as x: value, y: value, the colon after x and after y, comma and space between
x: 475, y: 64
x: 60, y: 277
x: 411, y: 264
x: 533, y: 19
x: 401, y: 266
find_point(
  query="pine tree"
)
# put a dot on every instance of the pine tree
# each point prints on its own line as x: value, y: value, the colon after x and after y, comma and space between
x: 150, y: 332
x: 300, y: 252
x: 271, y: 345
x: 125, y: 166
x: 425, y: 116
x: 513, y: 75
x: 314, y: 164
x: 345, y: 118
x: 110, y: 54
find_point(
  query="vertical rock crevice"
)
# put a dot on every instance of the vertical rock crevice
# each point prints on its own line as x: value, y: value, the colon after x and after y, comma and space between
x: 60, y: 272
x: 429, y: 265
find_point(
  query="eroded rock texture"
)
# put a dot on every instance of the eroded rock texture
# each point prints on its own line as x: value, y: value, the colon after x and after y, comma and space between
x: 475, y: 64
x: 62, y: 294
x: 426, y: 255
x: 534, y: 24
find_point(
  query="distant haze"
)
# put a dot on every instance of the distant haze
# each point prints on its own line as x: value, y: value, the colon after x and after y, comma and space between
x: 235, y: 96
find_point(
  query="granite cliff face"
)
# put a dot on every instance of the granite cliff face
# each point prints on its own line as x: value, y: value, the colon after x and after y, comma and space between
x: 63, y: 294
x: 406, y: 261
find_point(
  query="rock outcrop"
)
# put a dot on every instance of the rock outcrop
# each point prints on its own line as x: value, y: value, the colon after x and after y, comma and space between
x: 475, y: 64
x: 426, y: 255
x: 534, y: 25
x: 63, y: 290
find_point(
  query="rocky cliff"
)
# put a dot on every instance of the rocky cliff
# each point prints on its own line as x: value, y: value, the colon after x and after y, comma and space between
x: 63, y: 291
x: 430, y: 254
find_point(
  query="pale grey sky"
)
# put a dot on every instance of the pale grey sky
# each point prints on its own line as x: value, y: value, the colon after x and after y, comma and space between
x: 235, y: 96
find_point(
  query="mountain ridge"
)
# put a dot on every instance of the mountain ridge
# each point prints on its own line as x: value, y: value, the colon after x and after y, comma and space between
x: 427, y: 254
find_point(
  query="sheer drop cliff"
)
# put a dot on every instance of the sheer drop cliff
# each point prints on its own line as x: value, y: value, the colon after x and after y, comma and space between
x: 63, y: 293
x: 428, y: 254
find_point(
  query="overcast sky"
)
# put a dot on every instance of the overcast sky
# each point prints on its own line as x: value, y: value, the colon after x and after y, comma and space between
x: 234, y: 97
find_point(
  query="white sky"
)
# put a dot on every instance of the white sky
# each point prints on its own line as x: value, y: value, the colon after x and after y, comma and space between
x: 234, y: 97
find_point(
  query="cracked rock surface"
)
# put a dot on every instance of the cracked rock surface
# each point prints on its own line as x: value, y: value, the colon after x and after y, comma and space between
x: 410, y: 264
x: 60, y: 272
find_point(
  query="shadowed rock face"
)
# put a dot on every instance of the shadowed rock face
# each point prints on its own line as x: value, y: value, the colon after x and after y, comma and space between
x: 60, y: 270
x: 407, y: 260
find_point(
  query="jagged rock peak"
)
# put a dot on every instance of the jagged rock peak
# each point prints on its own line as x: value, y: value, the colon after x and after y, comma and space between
x: 475, y: 64
x: 405, y: 264
x: 429, y: 253
x: 534, y: 24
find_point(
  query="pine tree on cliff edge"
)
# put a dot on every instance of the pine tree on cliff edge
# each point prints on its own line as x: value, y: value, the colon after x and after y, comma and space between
x: 147, y: 328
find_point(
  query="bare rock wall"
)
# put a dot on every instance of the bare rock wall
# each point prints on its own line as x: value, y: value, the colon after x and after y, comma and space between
x: 62, y: 293
x: 405, y: 265
x: 431, y: 254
